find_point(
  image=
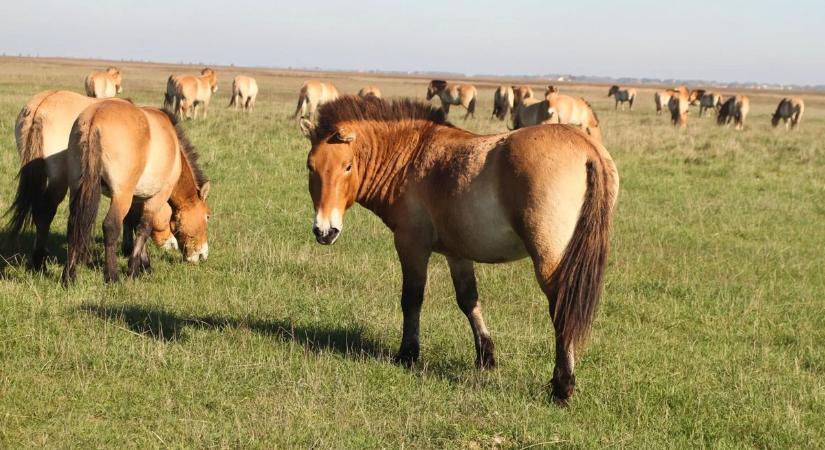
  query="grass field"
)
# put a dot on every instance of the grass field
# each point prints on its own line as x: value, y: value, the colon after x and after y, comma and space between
x: 711, y: 331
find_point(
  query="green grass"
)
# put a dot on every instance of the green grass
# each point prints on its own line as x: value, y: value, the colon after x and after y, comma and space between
x: 711, y: 332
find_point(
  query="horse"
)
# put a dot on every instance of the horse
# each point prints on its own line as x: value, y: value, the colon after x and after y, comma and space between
x: 244, y: 92
x: 709, y: 100
x: 454, y: 94
x: 622, y: 95
x: 141, y: 159
x: 502, y: 102
x: 370, y: 90
x: 561, y: 109
x: 789, y: 108
x: 42, y: 133
x: 695, y: 95
x: 734, y: 109
x: 521, y: 93
x: 313, y: 94
x: 679, y: 105
x: 104, y: 84
x: 662, y: 100
x: 547, y: 192
x: 185, y: 93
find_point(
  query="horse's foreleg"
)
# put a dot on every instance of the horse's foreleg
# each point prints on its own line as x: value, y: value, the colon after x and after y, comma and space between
x: 414, y: 261
x: 446, y: 108
x: 466, y: 292
x: 139, y: 259
x: 205, y: 104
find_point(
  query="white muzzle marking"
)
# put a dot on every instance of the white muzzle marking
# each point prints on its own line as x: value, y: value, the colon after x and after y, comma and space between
x: 201, y: 254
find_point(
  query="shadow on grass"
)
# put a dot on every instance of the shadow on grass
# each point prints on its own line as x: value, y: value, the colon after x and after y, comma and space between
x: 348, y: 341
x: 16, y: 251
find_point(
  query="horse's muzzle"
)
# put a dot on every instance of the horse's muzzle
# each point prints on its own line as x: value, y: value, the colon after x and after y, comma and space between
x: 326, y: 238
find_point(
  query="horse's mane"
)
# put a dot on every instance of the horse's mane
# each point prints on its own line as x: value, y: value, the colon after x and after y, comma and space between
x: 350, y: 108
x: 438, y: 84
x: 189, y: 150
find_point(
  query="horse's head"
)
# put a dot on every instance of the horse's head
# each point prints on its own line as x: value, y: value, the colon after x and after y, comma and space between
x: 613, y: 90
x: 213, y: 78
x: 116, y: 77
x: 435, y: 87
x: 333, y: 178
x: 189, y: 226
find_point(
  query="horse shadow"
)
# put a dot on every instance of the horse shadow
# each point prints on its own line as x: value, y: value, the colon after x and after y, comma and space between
x: 16, y: 251
x: 349, y: 341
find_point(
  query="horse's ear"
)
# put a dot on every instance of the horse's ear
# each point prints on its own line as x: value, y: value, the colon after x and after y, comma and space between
x: 308, y: 128
x: 345, y: 135
x: 203, y: 191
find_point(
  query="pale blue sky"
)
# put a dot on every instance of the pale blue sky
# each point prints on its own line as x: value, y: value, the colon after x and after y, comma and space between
x: 726, y: 40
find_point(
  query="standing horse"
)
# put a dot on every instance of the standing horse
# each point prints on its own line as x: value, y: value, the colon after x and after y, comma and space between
x: 370, y: 90
x: 140, y: 159
x: 561, y: 109
x: 244, y: 92
x: 709, y: 100
x: 734, y: 109
x: 679, y: 105
x: 662, y: 100
x: 789, y: 108
x: 42, y: 133
x: 695, y: 96
x: 454, y: 94
x: 313, y: 94
x: 622, y: 95
x: 104, y: 84
x: 521, y: 93
x: 189, y: 92
x: 503, y: 101
x: 546, y: 192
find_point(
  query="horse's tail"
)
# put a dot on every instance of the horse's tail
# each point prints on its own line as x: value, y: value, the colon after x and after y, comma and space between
x: 90, y: 86
x: 632, y: 98
x: 31, y: 179
x: 471, y: 108
x: 302, y: 100
x: 234, y: 94
x: 169, y: 96
x: 85, y: 199
x: 576, y: 284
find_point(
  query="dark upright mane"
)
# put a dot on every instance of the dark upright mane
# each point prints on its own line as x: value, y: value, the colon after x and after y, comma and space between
x: 438, y: 84
x: 352, y: 108
x: 189, y: 150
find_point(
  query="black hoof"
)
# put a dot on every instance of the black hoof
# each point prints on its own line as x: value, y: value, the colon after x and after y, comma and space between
x: 407, y: 357
x: 486, y: 362
x: 562, y: 389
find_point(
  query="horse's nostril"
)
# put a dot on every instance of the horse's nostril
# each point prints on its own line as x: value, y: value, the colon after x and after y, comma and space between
x: 316, y: 231
x: 333, y: 232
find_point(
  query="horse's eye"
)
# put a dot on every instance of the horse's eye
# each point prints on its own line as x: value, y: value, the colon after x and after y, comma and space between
x: 349, y: 167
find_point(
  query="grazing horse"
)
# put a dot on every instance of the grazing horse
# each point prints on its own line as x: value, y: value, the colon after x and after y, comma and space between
x: 547, y: 192
x: 561, y: 109
x: 314, y: 94
x: 695, y: 96
x: 244, y: 92
x: 679, y: 105
x: 140, y: 159
x: 709, y: 100
x: 521, y: 93
x: 187, y: 92
x: 622, y: 95
x: 370, y: 90
x: 42, y: 133
x: 503, y: 101
x: 104, y: 84
x: 789, y: 108
x: 454, y: 94
x: 734, y: 109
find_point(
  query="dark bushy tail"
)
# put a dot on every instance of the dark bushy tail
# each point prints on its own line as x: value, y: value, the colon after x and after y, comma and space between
x: 85, y: 200
x: 31, y: 179
x: 471, y: 108
x: 234, y: 95
x: 576, y: 285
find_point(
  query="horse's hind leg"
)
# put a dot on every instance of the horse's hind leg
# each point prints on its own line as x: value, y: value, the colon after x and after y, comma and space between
x: 43, y: 211
x: 112, y: 226
x: 464, y: 281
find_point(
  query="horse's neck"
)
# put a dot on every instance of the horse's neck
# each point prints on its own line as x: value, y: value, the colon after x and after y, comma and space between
x: 186, y: 188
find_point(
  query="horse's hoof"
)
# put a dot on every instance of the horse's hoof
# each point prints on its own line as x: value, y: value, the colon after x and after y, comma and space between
x: 486, y: 363
x: 407, y: 357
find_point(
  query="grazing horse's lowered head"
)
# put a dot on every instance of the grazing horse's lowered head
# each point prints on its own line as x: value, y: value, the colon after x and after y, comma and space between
x: 435, y: 87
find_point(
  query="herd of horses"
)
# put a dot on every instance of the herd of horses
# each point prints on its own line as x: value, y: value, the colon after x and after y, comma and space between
x: 546, y: 189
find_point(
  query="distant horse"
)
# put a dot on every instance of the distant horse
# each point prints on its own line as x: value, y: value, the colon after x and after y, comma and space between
x: 370, y: 90
x: 789, y: 109
x: 454, y: 94
x: 561, y: 109
x: 709, y: 100
x: 244, y: 92
x: 104, y: 84
x: 314, y: 94
x: 139, y: 158
x: 547, y: 192
x: 734, y: 109
x: 186, y: 93
x: 679, y: 105
x: 502, y: 102
x: 695, y: 95
x: 521, y: 93
x: 622, y: 95
x: 42, y: 133
x: 662, y: 99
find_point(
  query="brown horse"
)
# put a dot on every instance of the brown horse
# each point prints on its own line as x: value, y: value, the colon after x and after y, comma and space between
x: 734, y: 109
x: 679, y: 105
x: 789, y: 109
x: 502, y: 102
x: 560, y: 109
x: 104, y: 84
x: 42, y: 134
x: 454, y: 94
x: 140, y: 159
x: 709, y: 100
x: 313, y: 94
x: 521, y: 93
x: 186, y: 93
x: 546, y: 192
x: 622, y: 95
x: 695, y: 96
x: 370, y: 90
x: 244, y: 93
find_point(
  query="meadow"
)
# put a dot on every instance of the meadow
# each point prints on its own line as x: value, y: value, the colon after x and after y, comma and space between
x: 711, y: 331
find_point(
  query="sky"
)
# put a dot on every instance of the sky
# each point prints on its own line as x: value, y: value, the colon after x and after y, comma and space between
x: 723, y: 40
